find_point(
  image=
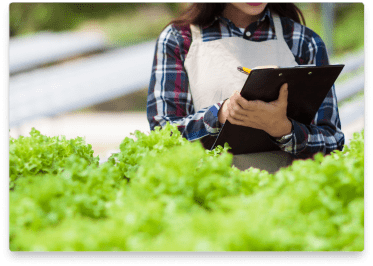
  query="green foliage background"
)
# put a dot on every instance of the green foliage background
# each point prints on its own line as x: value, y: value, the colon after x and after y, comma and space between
x: 124, y: 23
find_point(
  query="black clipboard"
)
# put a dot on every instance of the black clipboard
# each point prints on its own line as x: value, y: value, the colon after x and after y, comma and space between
x: 307, y: 89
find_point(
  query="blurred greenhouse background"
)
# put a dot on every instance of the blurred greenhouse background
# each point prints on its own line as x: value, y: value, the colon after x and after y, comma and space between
x: 82, y: 69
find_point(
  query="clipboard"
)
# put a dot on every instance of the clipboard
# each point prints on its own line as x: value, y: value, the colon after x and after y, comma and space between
x: 307, y: 89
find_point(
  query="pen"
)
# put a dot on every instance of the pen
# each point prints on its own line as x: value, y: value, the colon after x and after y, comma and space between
x: 244, y: 70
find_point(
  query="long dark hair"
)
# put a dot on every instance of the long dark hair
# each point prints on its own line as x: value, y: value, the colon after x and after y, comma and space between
x: 204, y: 13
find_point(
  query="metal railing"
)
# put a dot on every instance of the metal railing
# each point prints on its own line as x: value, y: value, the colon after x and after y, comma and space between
x: 43, y: 48
x: 48, y: 91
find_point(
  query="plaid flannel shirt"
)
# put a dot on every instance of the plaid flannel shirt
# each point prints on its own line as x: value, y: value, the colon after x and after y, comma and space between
x: 170, y: 100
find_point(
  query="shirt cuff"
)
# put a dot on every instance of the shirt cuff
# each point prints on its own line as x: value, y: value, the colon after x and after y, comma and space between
x: 210, y: 119
x: 298, y: 140
x: 300, y: 136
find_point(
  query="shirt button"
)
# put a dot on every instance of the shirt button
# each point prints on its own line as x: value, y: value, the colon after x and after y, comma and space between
x: 248, y: 33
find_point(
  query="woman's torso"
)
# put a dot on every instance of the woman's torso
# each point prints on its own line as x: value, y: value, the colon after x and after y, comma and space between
x: 212, y: 66
x: 213, y: 76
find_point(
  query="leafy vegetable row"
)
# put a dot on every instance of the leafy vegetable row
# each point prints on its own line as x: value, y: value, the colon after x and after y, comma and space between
x: 164, y: 193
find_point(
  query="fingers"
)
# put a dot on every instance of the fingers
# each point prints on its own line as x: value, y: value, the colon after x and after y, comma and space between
x: 235, y: 121
x: 234, y: 102
x: 235, y: 110
x: 241, y: 105
x: 238, y: 109
x: 237, y: 115
x: 246, y: 122
x: 283, y: 96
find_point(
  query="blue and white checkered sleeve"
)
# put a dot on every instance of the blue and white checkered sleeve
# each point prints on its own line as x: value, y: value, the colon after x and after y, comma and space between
x: 169, y: 98
x: 324, y: 133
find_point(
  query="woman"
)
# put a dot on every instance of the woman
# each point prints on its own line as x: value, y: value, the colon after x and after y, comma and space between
x: 194, y: 79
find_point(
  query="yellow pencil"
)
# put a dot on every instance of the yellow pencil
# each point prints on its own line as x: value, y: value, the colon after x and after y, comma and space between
x: 244, y: 70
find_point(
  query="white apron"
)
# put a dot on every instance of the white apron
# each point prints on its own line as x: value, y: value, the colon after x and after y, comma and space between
x: 213, y: 76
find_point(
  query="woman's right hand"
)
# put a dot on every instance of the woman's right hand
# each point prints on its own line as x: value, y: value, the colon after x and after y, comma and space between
x: 224, y: 111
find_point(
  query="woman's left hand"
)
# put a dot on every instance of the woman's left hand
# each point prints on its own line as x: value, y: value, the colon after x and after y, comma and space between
x: 270, y: 117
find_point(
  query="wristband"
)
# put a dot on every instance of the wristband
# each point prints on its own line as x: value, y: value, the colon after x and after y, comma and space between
x: 284, y: 138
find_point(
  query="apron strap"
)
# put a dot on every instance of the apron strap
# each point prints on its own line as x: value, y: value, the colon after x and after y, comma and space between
x: 196, y: 33
x: 278, y: 27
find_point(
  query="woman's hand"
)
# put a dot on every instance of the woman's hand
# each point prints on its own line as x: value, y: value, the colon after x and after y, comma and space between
x: 270, y: 117
x: 224, y: 111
